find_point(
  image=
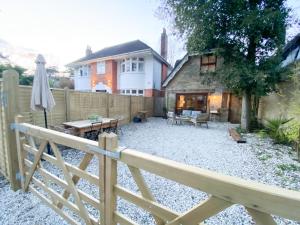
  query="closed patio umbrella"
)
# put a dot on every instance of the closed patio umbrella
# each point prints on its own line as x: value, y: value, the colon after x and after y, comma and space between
x: 41, y: 96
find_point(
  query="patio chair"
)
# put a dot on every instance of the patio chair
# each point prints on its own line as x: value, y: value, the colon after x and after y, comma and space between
x: 114, y: 126
x: 202, y: 118
x: 171, y: 118
x: 93, y: 134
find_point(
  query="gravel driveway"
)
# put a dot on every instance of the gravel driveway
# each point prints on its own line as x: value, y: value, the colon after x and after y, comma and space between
x: 211, y: 148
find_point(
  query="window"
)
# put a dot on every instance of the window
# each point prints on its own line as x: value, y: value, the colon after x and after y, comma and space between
x: 208, y: 63
x: 133, y: 64
x: 141, y: 92
x: 133, y: 92
x: 100, y: 67
x: 127, y: 91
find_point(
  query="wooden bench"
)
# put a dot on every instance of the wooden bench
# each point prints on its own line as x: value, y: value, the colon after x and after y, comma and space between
x: 236, y: 136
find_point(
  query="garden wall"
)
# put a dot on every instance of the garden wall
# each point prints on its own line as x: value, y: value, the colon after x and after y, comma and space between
x: 284, y: 103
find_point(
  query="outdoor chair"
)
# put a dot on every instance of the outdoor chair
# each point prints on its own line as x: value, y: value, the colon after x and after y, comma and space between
x: 93, y: 134
x: 171, y: 118
x: 114, y: 126
x: 202, y: 118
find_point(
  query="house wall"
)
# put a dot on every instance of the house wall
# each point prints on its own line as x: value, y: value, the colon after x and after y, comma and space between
x: 157, y: 70
x: 189, y: 80
x: 82, y: 83
x: 109, y: 78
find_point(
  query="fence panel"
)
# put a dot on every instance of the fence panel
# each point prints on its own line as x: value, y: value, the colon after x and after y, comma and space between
x: 119, y: 107
x: 137, y: 104
x: 3, y: 139
x: 84, y: 104
x: 149, y: 105
x: 56, y: 116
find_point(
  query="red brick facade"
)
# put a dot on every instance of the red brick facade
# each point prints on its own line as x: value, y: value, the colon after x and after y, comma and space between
x: 110, y: 76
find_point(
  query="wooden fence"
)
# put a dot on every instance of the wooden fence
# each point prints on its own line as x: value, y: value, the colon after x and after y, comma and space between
x: 3, y: 133
x: 70, y: 105
x: 261, y: 201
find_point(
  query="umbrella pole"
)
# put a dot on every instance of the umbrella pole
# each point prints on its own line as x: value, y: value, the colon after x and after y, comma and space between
x: 46, y: 126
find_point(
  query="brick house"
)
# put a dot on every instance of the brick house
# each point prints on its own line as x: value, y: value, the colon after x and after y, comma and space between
x: 185, y: 89
x: 132, y: 68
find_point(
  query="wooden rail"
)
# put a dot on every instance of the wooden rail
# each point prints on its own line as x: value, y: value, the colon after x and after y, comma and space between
x: 261, y: 201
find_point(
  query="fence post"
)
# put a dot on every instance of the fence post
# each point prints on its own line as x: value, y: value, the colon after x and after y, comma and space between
x: 67, y: 101
x: 110, y: 179
x: 11, y: 90
x: 101, y: 158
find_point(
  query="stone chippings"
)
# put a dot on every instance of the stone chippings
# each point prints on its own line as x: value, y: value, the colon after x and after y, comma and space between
x: 213, y: 149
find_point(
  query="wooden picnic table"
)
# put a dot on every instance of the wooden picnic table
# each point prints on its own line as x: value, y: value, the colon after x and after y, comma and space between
x: 82, y: 126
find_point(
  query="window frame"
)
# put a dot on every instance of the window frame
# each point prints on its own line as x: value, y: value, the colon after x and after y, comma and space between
x: 208, y: 63
x: 126, y: 65
x: 103, y: 67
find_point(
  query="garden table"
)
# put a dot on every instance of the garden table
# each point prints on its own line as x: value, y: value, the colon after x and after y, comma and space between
x: 82, y: 126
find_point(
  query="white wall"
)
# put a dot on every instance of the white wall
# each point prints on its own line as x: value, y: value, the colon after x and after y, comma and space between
x: 82, y: 83
x: 137, y: 80
x: 157, y: 74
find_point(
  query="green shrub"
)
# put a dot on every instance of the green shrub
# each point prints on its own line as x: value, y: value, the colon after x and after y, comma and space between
x: 276, y: 129
x: 292, y: 132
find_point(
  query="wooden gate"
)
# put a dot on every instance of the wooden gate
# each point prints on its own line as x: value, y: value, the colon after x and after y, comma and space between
x: 54, y: 188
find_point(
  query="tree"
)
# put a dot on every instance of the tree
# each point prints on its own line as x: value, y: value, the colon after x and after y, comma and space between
x: 246, y: 33
x: 23, y: 80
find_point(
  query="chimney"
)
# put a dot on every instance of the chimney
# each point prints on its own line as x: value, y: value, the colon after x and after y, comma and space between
x: 164, y: 44
x: 88, y: 50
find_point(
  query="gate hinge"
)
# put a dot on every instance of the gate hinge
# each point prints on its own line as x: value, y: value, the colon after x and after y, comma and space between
x: 110, y: 154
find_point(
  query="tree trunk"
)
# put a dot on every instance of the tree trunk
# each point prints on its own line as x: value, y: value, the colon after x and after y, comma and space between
x: 246, y: 110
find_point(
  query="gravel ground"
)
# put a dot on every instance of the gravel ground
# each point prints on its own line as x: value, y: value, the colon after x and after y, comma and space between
x: 211, y: 148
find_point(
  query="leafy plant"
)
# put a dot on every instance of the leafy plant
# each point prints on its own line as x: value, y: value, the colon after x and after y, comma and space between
x: 276, y: 129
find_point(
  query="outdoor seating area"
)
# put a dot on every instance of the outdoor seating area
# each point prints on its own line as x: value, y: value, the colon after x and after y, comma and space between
x: 188, y: 117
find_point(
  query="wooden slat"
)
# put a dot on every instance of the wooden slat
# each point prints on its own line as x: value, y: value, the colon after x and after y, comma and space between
x: 146, y: 193
x: 200, y: 212
x: 151, y: 206
x: 83, y: 165
x: 53, y: 206
x: 251, y: 194
x: 84, y: 196
x: 83, y: 211
x: 37, y: 159
x: 121, y: 219
x: 55, y: 195
x: 60, y: 138
x: 261, y: 218
x: 81, y: 173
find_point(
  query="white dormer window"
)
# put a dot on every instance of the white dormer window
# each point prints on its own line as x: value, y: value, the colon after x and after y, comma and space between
x: 100, y: 67
x: 133, y: 65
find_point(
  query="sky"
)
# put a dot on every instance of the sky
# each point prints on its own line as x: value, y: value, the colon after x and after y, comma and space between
x: 63, y: 28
